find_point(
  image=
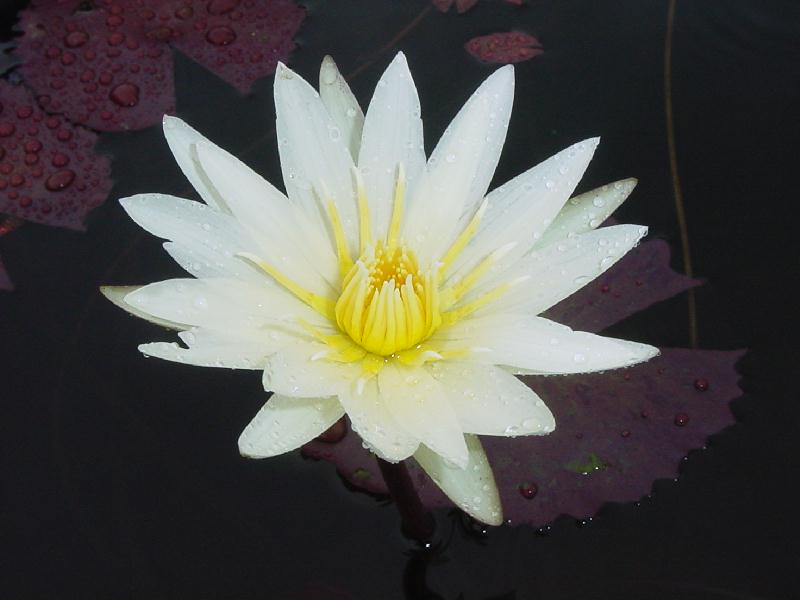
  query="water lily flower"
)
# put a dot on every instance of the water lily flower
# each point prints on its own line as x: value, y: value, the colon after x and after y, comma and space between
x: 384, y: 285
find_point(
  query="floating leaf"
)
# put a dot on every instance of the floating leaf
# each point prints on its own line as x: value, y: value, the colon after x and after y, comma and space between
x: 108, y: 65
x: 96, y: 66
x: 616, y: 432
x: 510, y: 47
x: 462, y: 6
x: 49, y: 171
x: 240, y: 42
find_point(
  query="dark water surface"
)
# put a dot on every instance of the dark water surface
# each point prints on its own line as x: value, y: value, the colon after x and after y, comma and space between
x: 122, y: 477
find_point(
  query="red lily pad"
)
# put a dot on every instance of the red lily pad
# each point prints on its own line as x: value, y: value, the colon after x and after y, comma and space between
x: 5, y: 280
x: 462, y: 6
x: 504, y: 48
x: 239, y: 41
x: 95, y: 66
x: 616, y: 432
x: 49, y: 171
x: 107, y: 64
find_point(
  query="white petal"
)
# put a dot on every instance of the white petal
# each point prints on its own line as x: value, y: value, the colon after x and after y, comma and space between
x: 221, y: 304
x: 117, y: 294
x: 371, y: 420
x: 181, y: 140
x: 461, y: 166
x: 491, y: 401
x: 419, y: 404
x: 300, y: 369
x: 521, y: 210
x: 392, y: 135
x: 315, y: 158
x: 285, y: 237
x: 548, y: 275
x: 473, y: 488
x: 207, y: 348
x: 587, y: 211
x: 341, y: 104
x: 540, y: 345
x: 284, y: 424
x: 215, y: 236
x: 203, y: 262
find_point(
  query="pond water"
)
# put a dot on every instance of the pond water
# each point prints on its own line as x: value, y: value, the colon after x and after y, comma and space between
x: 122, y: 475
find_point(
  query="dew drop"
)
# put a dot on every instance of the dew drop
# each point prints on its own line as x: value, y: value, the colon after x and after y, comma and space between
x: 681, y: 419
x: 528, y: 490
x: 76, y: 39
x: 32, y: 146
x: 221, y: 36
x: 60, y: 180
x: 125, y: 94
x: 60, y: 160
x: 598, y: 202
x: 184, y: 12
x: 701, y: 384
x: 220, y: 7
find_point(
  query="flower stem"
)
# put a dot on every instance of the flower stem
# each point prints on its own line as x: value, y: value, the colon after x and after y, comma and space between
x: 417, y: 521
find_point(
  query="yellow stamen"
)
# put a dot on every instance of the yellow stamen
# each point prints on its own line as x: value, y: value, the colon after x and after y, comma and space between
x: 464, y: 237
x: 364, y: 228
x: 345, y: 262
x: 455, y: 292
x: 344, y: 350
x: 387, y: 305
x: 452, y: 316
x: 324, y: 306
x: 397, y: 208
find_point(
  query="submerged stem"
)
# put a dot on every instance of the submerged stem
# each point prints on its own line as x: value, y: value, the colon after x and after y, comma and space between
x: 417, y: 521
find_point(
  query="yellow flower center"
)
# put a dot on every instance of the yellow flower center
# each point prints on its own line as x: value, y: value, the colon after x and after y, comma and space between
x: 387, y: 305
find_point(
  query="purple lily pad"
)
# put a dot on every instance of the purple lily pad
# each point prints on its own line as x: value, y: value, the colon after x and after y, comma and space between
x: 49, y: 171
x: 506, y: 47
x: 5, y: 280
x: 462, y: 6
x: 239, y: 41
x: 109, y: 67
x: 616, y: 432
x: 96, y: 66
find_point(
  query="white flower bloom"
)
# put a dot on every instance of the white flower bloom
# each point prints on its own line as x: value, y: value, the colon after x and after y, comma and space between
x: 382, y: 285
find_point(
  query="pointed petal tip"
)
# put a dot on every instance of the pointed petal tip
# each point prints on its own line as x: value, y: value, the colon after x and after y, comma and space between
x: 328, y: 71
x: 117, y: 293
